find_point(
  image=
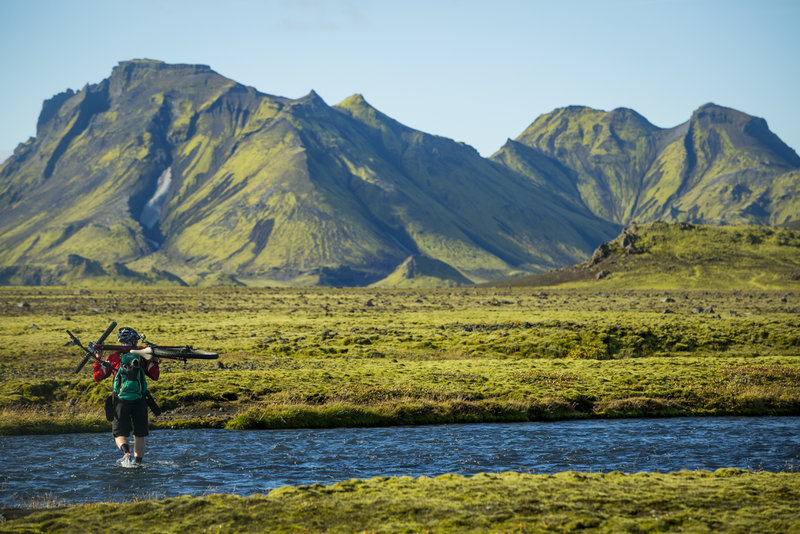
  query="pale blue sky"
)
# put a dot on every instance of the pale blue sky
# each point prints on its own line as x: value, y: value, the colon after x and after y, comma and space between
x: 477, y: 72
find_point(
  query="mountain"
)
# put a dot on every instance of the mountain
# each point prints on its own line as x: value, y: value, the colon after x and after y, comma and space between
x: 79, y: 271
x: 422, y: 271
x: 175, y: 169
x: 720, y: 167
x: 663, y: 255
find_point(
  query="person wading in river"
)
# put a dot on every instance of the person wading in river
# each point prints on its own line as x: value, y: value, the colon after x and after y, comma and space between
x: 130, y: 386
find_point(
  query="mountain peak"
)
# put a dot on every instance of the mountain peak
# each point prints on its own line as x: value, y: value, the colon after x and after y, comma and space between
x: 310, y: 102
x: 717, y: 113
x: 744, y: 131
x: 712, y: 106
x: 630, y: 115
x: 312, y: 96
x: 355, y: 101
x: 357, y: 107
x: 147, y: 66
x: 142, y: 62
x: 419, y: 270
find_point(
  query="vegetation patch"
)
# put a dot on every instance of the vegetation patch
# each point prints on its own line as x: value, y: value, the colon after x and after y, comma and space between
x: 323, y: 357
x: 659, y: 255
x: 726, y: 500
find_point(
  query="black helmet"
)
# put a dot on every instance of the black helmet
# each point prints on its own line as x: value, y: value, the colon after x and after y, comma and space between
x: 127, y: 335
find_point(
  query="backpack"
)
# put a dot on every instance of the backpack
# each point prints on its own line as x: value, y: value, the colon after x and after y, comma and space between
x: 129, y: 382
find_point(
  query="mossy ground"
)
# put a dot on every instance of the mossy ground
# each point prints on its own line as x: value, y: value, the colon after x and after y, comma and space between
x: 661, y: 256
x: 346, y: 357
x: 727, y: 500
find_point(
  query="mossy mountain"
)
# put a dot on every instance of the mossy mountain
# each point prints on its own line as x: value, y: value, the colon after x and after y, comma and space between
x: 268, y: 189
x: 176, y: 171
x: 720, y: 167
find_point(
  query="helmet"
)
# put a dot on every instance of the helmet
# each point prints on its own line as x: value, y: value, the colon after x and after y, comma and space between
x: 127, y: 335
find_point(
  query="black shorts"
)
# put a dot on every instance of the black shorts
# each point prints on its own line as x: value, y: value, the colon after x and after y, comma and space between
x: 127, y: 413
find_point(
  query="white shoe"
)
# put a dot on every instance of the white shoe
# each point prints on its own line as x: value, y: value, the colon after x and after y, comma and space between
x: 126, y: 460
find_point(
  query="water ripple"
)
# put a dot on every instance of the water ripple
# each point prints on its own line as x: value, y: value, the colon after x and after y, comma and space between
x: 82, y: 468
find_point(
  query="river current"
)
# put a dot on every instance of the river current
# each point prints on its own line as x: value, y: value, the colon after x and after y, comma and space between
x: 75, y: 468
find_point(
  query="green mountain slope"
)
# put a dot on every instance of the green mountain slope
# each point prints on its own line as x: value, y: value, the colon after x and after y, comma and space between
x: 458, y: 205
x: 685, y: 256
x: 78, y: 271
x: 720, y: 167
x: 174, y: 168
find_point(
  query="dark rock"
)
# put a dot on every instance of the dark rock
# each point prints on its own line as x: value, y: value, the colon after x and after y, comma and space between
x: 601, y: 253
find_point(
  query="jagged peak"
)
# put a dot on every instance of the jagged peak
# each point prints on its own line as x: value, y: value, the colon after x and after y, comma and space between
x: 509, y: 146
x: 357, y: 107
x: 311, y: 101
x: 51, y: 106
x: 311, y: 97
x: 354, y: 101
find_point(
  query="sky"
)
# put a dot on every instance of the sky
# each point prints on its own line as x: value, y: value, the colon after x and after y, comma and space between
x: 475, y: 71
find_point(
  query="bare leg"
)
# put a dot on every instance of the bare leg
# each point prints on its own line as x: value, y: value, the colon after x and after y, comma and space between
x: 120, y: 441
x: 138, y: 446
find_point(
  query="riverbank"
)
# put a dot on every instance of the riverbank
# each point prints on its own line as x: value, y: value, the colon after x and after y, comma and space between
x: 726, y: 500
x: 526, y: 391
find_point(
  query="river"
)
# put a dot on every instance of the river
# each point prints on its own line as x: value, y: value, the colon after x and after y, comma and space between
x: 72, y: 468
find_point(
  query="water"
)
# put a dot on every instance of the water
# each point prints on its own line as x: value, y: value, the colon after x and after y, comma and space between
x: 82, y: 467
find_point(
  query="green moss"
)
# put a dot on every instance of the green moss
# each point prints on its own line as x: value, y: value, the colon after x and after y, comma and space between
x: 670, y: 256
x: 718, y: 168
x: 341, y: 357
x: 727, y: 500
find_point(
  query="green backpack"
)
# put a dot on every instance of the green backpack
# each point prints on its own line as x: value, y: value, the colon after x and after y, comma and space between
x: 129, y: 382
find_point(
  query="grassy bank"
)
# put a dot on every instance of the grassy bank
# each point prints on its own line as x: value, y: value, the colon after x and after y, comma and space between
x: 347, y: 357
x: 727, y: 500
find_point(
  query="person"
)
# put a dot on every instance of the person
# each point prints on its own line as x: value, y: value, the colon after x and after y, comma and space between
x: 129, y: 370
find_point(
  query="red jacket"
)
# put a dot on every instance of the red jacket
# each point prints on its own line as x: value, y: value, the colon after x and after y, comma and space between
x: 101, y: 371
